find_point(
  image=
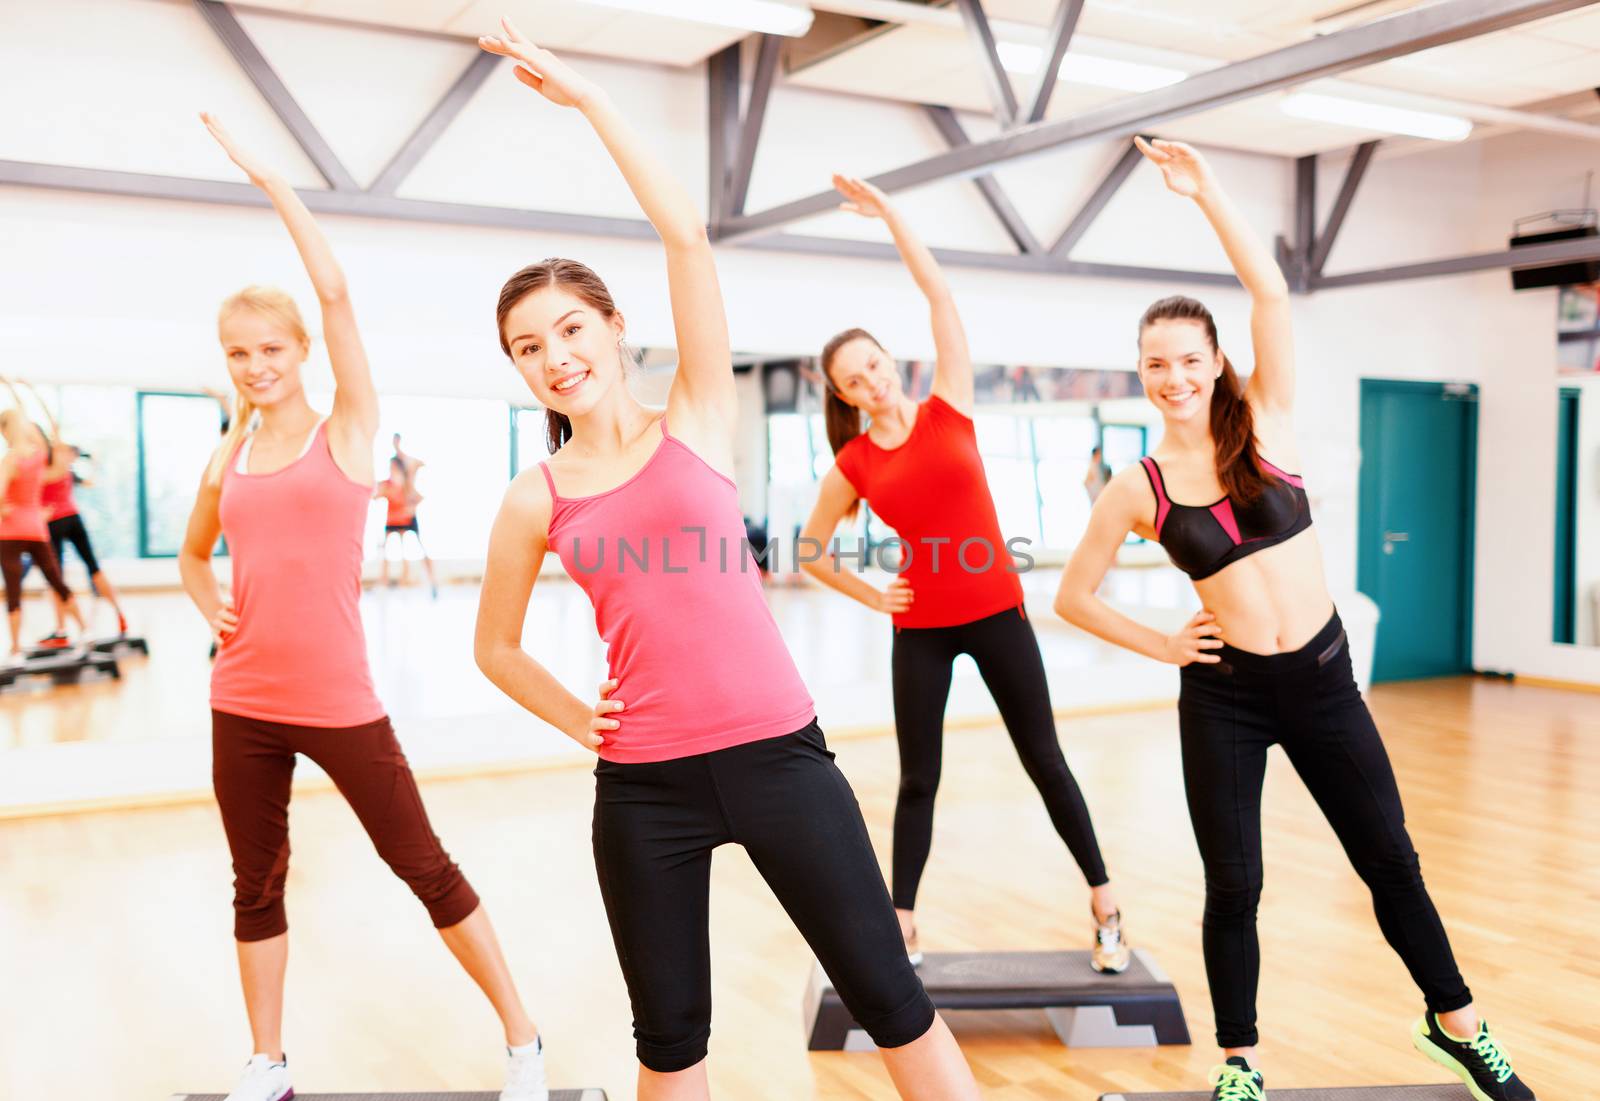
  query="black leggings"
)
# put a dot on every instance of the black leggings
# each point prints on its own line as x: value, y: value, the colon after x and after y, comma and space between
x: 1007, y: 654
x: 11, y: 565
x: 70, y: 529
x: 783, y: 799
x: 1229, y: 714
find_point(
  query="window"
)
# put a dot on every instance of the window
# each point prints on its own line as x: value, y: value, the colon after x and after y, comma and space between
x: 177, y: 435
x: 527, y: 438
x: 1064, y: 445
x: 1006, y: 442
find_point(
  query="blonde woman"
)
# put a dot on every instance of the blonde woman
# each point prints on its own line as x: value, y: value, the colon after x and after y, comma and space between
x: 289, y: 488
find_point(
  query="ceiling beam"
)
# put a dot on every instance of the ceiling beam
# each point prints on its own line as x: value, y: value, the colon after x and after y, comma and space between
x: 1010, y: 218
x: 722, y: 118
x: 244, y: 50
x: 755, y: 114
x: 995, y: 79
x: 1057, y: 40
x: 1341, y: 206
x: 1437, y: 24
x: 1104, y: 190
x: 365, y: 204
x: 1529, y: 256
x: 427, y: 133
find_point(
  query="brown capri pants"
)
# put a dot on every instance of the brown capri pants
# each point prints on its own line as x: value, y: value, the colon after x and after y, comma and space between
x: 252, y: 764
x: 11, y: 552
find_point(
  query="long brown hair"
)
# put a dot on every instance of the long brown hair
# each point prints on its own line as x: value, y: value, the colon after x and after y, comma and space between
x: 570, y: 275
x: 1232, y: 425
x: 842, y: 419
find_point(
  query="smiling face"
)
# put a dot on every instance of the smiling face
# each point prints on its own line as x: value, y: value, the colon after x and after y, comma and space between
x: 1179, y: 367
x: 865, y: 376
x: 565, y: 348
x: 264, y: 354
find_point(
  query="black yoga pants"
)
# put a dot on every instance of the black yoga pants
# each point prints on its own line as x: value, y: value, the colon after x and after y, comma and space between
x: 1007, y: 655
x: 783, y: 799
x: 1229, y: 713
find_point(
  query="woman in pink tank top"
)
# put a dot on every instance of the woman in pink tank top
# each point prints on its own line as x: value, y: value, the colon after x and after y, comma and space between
x: 24, y: 525
x: 289, y: 489
x: 705, y: 734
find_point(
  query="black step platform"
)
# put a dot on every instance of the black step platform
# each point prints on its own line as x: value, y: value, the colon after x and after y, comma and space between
x: 62, y: 667
x: 1455, y: 1091
x: 1137, y: 1008
x: 115, y: 644
x: 555, y: 1095
x: 119, y: 644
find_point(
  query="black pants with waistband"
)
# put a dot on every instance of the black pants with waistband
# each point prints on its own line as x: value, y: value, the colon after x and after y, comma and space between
x: 1006, y: 652
x: 1229, y: 714
x: 783, y: 799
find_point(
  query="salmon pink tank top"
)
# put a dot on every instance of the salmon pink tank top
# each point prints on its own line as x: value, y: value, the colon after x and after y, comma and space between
x: 24, y: 517
x: 933, y: 492
x: 399, y: 510
x: 696, y: 654
x: 56, y: 497
x: 295, y: 536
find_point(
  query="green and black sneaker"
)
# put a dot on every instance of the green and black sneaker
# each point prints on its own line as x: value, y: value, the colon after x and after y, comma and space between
x: 1479, y: 1062
x: 1235, y: 1081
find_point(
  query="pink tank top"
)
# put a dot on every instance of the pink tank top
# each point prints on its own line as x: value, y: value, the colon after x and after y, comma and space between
x: 689, y: 638
x: 295, y: 536
x: 56, y: 497
x: 24, y: 517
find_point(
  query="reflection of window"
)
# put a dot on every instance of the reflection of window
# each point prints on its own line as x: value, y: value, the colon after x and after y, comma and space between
x: 1006, y: 442
x: 95, y: 420
x: 1124, y: 444
x: 177, y: 435
x: 528, y: 440
x: 1064, y: 445
x: 463, y: 443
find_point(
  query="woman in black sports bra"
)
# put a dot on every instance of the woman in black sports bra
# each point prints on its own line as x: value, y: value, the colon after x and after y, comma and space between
x: 1265, y: 659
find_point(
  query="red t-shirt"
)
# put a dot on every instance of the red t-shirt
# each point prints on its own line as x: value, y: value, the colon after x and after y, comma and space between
x: 932, y: 490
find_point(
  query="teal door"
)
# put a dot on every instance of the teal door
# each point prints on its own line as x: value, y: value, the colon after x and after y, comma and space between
x: 1564, y: 627
x: 1414, y: 555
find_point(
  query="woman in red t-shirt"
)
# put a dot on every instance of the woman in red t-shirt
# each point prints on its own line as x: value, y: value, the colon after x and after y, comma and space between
x: 957, y: 591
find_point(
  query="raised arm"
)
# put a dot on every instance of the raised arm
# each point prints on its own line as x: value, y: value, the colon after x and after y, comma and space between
x: 952, y: 376
x: 1271, y: 385
x: 703, y: 387
x: 354, y: 422
x: 834, y: 500
x: 55, y: 426
x: 517, y: 546
x: 1122, y: 508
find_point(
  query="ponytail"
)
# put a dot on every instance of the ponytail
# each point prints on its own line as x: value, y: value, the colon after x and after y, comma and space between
x: 1233, y: 431
x: 842, y: 419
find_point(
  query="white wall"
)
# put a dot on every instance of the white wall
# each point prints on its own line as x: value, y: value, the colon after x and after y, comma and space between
x: 1471, y: 328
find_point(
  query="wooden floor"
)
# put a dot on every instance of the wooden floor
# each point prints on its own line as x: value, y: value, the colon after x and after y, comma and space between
x: 117, y: 975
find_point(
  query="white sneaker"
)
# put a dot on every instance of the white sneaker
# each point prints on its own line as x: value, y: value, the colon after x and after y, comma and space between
x: 263, y: 1080
x: 525, y: 1074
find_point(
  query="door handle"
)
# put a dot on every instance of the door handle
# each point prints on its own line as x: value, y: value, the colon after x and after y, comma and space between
x: 1390, y: 538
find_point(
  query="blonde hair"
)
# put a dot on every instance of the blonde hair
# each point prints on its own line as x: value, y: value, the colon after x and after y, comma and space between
x: 276, y: 306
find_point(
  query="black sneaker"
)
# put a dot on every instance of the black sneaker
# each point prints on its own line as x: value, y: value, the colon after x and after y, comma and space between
x: 1480, y: 1062
x: 1235, y: 1081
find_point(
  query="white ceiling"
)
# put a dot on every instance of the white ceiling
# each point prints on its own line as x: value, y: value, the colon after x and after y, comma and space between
x: 932, y: 64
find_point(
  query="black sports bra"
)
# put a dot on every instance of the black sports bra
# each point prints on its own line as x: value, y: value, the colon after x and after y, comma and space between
x: 1202, y: 539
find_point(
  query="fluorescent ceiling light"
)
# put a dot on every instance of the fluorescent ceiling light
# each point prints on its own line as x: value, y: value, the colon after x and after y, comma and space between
x: 1375, y: 116
x: 764, y: 16
x: 1127, y: 76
